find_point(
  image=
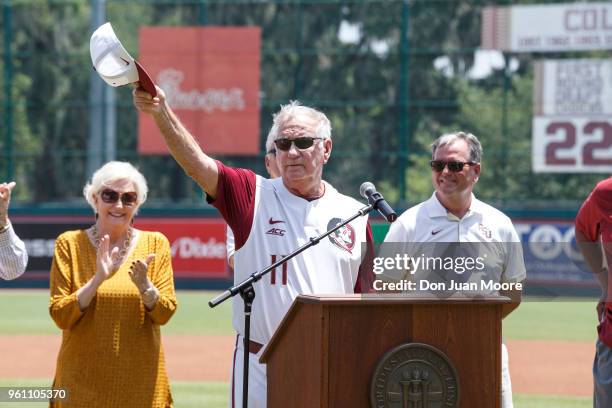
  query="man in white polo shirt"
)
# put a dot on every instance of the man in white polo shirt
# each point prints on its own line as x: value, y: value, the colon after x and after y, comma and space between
x: 13, y: 255
x: 453, y: 214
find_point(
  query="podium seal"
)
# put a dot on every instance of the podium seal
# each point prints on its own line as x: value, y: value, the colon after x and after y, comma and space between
x: 414, y: 375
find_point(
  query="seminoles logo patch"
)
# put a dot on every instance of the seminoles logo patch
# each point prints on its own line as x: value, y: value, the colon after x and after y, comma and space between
x: 344, y: 237
x: 485, y: 231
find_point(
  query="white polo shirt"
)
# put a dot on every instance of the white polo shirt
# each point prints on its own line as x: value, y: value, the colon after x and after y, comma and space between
x: 422, y: 228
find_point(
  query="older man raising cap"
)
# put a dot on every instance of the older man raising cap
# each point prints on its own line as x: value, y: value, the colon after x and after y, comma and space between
x: 270, y: 218
x: 13, y: 255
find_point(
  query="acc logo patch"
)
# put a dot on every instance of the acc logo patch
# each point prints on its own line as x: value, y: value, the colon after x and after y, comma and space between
x: 344, y: 237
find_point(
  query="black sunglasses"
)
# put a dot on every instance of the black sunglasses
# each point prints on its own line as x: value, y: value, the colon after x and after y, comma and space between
x: 300, y: 142
x: 454, y: 166
x: 111, y: 196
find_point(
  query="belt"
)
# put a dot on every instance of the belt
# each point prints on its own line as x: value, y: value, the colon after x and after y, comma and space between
x: 254, y: 347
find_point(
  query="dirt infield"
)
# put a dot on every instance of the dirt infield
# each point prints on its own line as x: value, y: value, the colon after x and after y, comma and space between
x: 537, y: 367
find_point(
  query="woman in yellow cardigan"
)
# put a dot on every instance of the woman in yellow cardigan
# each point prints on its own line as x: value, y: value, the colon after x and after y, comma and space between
x: 111, y: 289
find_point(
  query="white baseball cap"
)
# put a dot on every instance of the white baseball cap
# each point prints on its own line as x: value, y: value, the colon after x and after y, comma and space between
x: 114, y: 64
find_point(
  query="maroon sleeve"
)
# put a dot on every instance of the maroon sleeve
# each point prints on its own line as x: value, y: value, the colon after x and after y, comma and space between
x: 235, y: 200
x: 365, y: 278
x: 587, y: 220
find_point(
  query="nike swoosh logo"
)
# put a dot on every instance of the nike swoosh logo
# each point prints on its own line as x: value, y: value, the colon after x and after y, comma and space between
x: 126, y: 61
x: 435, y: 232
x: 272, y: 221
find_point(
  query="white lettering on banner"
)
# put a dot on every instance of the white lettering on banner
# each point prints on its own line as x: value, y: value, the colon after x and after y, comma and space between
x: 208, y: 100
x: 193, y: 247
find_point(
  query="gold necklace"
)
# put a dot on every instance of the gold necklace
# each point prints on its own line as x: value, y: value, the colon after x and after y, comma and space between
x: 124, y: 248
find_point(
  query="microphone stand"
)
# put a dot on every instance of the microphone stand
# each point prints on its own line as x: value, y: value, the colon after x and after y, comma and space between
x: 247, y: 292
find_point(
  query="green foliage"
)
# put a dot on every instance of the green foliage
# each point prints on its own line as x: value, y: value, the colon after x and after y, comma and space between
x: 384, y: 96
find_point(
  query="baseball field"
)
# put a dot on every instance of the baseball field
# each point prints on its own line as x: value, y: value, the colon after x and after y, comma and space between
x: 551, y: 347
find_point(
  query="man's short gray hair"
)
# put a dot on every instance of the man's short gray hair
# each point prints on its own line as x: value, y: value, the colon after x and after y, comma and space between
x: 292, y: 110
x: 112, y: 172
x: 449, y: 138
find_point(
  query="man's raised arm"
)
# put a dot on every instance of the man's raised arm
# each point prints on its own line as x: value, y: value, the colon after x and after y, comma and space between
x: 181, y: 143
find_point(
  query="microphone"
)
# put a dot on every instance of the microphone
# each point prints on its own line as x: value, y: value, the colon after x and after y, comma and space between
x: 368, y: 191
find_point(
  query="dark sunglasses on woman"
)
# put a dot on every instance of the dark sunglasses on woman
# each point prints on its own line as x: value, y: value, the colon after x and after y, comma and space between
x: 110, y: 196
x: 454, y: 166
x: 301, y: 143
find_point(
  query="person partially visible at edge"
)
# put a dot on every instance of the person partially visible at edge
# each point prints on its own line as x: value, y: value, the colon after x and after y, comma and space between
x: 273, y: 172
x: 453, y: 214
x: 270, y: 218
x: 112, y: 288
x: 594, y: 238
x: 13, y: 254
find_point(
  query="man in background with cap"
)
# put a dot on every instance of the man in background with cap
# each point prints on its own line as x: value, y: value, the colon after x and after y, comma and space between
x: 13, y: 255
x: 594, y: 238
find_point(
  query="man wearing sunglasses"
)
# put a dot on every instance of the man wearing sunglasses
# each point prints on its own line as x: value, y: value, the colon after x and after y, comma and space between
x: 272, y: 217
x: 454, y: 215
x: 13, y: 255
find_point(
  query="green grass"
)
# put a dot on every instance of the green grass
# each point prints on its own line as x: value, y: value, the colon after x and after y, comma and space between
x: 27, y: 312
x: 545, y: 401
x: 571, y: 320
x: 215, y: 395
x: 186, y: 394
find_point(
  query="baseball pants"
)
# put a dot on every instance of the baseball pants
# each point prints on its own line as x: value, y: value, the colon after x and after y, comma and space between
x: 506, y: 383
x: 257, y: 379
x: 602, y: 376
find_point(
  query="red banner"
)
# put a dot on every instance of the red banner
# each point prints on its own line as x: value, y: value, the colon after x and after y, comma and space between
x: 210, y: 76
x: 197, y: 245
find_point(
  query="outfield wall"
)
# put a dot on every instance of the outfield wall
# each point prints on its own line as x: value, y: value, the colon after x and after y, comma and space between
x: 199, y: 255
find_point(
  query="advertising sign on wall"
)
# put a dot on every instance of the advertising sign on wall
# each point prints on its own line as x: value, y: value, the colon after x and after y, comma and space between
x: 197, y: 244
x: 572, y: 123
x: 210, y: 76
x: 198, y: 247
x: 551, y: 254
x: 548, y: 28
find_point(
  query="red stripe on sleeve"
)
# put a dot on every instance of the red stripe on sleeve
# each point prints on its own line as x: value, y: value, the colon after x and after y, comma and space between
x: 235, y: 200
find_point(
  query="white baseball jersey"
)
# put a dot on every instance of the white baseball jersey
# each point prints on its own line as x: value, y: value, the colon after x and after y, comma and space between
x: 13, y: 255
x: 281, y: 223
x: 229, y: 242
x: 420, y: 227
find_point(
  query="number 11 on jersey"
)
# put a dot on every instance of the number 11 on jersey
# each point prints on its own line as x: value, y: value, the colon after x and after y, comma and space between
x: 273, y: 271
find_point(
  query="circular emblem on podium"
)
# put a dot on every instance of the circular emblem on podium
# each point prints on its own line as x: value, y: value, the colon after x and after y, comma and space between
x: 414, y: 375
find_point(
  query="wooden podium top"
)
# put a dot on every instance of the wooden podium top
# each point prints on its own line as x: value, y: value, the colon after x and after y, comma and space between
x: 393, y: 299
x: 372, y: 299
